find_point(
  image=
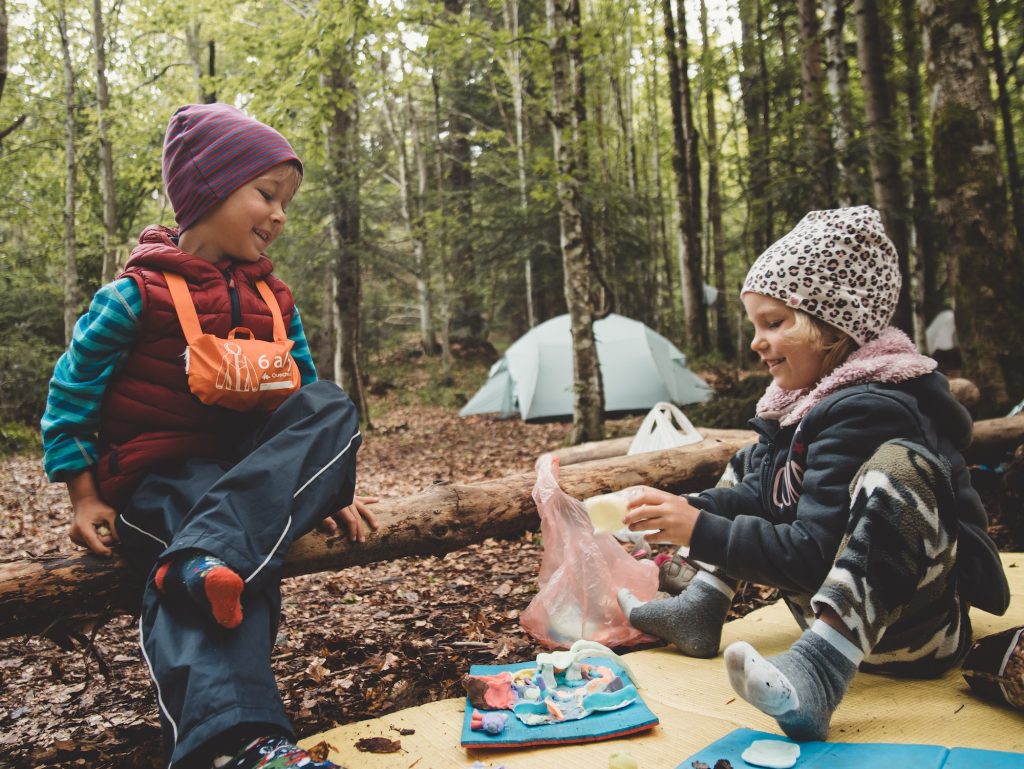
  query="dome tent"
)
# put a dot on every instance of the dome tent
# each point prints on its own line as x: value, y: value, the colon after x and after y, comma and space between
x: 639, y: 368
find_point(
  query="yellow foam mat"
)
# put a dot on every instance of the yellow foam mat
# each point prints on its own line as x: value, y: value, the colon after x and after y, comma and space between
x: 696, y: 706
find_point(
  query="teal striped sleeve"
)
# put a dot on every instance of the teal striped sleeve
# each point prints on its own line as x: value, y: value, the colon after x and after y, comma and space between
x: 300, y: 352
x: 72, y: 416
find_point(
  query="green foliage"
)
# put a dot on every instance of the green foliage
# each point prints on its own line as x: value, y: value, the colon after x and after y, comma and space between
x: 16, y: 438
x: 25, y: 369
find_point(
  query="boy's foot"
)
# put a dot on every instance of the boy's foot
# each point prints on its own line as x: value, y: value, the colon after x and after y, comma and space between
x: 272, y: 753
x: 675, y: 573
x: 801, y: 687
x: 691, y: 620
x: 207, y: 582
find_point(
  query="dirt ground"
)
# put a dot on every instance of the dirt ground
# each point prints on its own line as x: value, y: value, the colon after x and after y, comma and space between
x: 353, y: 644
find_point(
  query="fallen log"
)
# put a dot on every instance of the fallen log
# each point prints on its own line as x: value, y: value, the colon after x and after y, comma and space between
x: 51, y: 595
x: 617, y: 447
x: 992, y: 438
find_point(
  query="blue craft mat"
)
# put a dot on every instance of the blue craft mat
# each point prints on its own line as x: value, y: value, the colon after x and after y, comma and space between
x: 636, y: 717
x: 849, y: 755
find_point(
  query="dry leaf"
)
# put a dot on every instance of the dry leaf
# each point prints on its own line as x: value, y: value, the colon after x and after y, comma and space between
x: 378, y: 745
x: 321, y: 751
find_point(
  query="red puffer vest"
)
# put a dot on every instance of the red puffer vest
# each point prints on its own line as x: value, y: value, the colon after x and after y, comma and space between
x: 149, y: 417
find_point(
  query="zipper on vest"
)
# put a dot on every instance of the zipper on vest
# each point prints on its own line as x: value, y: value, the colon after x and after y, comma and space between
x: 236, y: 309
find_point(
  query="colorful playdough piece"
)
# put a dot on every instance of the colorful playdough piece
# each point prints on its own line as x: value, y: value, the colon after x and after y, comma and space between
x: 622, y: 760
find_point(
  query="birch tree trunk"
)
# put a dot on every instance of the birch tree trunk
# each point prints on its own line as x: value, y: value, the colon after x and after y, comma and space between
x: 723, y: 337
x: 818, y: 150
x: 837, y: 76
x: 970, y: 200
x: 568, y: 121
x: 1010, y: 143
x: 659, y: 236
x: 442, y: 273
x: 195, y: 45
x: 398, y: 128
x: 685, y: 162
x: 513, y: 68
x: 343, y: 174
x: 883, y: 145
x: 110, y: 234
x: 70, y: 179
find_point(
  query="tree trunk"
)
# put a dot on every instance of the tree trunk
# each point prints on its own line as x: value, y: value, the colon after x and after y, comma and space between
x: 684, y: 161
x: 883, y: 145
x: 513, y: 67
x: 343, y: 174
x: 723, y: 336
x: 48, y: 595
x: 110, y: 235
x: 838, y: 79
x: 398, y: 127
x: 467, y: 314
x: 202, y: 76
x: 568, y: 121
x: 70, y: 180
x: 970, y: 202
x: 1012, y: 166
x: 326, y: 343
x: 7, y: 130
x: 754, y: 84
x: 442, y: 272
x: 818, y: 149
x: 922, y: 253
x: 666, y: 282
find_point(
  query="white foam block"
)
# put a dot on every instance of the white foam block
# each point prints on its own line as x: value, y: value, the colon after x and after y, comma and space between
x: 606, y: 511
x: 774, y: 754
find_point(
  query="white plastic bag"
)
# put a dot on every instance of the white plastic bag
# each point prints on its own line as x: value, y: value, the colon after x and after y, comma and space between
x: 658, y: 432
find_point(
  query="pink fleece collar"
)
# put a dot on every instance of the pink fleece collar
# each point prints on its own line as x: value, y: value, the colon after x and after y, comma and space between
x: 889, y: 359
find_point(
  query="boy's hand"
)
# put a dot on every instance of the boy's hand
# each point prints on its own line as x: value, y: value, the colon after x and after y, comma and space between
x: 651, y: 508
x: 93, y: 525
x: 350, y: 516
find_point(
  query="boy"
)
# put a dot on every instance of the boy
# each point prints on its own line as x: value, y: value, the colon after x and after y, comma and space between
x: 206, y: 499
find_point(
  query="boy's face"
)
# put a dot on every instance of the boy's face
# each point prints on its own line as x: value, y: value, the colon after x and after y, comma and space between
x: 248, y: 221
x: 793, y: 364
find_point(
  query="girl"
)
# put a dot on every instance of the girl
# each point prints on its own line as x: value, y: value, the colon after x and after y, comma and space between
x: 856, y: 502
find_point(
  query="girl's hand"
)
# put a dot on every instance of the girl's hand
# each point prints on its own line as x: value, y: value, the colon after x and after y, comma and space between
x: 93, y: 525
x: 350, y: 516
x: 671, y: 515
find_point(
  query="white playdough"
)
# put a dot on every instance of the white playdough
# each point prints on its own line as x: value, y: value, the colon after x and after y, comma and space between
x: 774, y: 754
x: 606, y: 511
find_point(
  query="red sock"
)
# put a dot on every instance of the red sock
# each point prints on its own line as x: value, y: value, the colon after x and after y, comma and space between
x: 224, y: 592
x: 207, y: 582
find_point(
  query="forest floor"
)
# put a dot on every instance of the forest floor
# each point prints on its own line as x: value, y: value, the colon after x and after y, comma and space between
x: 353, y: 644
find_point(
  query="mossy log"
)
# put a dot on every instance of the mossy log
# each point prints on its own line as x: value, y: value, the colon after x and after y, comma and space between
x: 54, y: 594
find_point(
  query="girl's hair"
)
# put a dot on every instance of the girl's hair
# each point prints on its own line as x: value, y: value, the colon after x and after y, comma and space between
x: 838, y: 345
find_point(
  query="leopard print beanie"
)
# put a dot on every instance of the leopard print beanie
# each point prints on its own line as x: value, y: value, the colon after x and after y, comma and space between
x: 837, y: 265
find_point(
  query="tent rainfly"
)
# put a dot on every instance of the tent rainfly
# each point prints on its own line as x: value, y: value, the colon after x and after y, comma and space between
x: 639, y: 368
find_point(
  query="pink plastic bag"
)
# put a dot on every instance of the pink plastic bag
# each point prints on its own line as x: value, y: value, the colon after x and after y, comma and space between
x: 580, y: 574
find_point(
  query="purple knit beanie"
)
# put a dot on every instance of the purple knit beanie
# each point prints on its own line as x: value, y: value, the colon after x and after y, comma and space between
x: 210, y: 150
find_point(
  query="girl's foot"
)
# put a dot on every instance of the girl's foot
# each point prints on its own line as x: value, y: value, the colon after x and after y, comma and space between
x: 691, y: 620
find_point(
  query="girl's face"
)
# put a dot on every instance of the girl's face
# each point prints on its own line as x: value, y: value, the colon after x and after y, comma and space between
x: 793, y: 364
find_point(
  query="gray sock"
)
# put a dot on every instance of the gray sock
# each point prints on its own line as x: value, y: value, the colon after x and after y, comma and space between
x: 691, y: 620
x: 801, y: 687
